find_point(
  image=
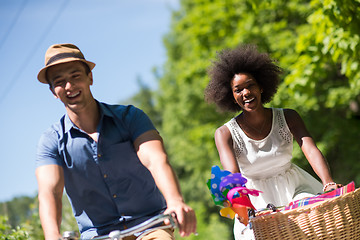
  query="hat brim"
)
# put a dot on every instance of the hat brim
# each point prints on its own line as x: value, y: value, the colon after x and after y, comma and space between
x: 42, y: 73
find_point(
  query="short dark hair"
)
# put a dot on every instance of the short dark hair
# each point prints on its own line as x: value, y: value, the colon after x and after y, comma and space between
x: 244, y: 59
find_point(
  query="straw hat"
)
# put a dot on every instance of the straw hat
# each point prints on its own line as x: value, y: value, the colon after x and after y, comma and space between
x: 62, y: 53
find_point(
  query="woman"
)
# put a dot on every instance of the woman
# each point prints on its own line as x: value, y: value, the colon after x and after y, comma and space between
x: 259, y: 141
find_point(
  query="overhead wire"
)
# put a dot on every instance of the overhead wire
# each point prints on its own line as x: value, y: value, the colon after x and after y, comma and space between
x: 34, y: 50
x: 11, y: 27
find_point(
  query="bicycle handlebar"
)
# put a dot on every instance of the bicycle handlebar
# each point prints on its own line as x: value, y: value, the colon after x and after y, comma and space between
x: 144, y: 227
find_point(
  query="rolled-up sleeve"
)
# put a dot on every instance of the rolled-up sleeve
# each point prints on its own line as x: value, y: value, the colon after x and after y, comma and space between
x: 47, y: 149
x: 138, y: 122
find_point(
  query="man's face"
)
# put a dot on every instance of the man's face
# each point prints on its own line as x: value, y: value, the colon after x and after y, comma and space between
x: 70, y: 83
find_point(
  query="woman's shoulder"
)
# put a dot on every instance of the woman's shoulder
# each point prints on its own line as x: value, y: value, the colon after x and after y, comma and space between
x: 290, y: 114
x: 222, y: 132
x: 292, y: 117
x: 286, y: 111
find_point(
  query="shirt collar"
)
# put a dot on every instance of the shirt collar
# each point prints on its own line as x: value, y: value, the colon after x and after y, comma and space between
x: 68, y: 124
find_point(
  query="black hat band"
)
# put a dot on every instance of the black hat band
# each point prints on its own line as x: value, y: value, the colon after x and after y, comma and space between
x: 62, y: 56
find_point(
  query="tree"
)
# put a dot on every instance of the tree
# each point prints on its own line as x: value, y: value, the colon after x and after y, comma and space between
x: 8, y: 233
x: 25, y: 223
x: 324, y: 83
x: 146, y: 101
x: 17, y: 210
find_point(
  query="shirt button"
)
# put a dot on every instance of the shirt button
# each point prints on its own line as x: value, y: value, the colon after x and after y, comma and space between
x: 105, y: 175
x: 99, y: 155
x: 114, y: 196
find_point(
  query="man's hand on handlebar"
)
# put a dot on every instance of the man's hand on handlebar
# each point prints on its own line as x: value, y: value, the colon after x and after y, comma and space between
x: 185, y: 216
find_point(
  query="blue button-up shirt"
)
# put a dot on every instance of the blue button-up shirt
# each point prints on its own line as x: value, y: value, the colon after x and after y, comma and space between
x: 106, y: 183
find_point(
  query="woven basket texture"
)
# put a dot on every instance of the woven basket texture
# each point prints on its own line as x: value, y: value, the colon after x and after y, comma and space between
x: 336, y: 218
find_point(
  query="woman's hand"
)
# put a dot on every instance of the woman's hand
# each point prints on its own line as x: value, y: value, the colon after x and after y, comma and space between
x: 331, y: 186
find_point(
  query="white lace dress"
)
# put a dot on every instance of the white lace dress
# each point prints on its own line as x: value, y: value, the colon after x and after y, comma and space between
x: 266, y: 165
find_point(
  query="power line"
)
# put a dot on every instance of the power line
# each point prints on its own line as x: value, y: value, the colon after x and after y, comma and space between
x: 17, y: 15
x: 35, y: 49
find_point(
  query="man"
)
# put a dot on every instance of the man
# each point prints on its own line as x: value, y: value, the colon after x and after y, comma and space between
x: 110, y: 158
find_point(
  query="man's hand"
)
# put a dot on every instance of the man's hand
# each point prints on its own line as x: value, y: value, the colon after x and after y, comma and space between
x: 185, y: 216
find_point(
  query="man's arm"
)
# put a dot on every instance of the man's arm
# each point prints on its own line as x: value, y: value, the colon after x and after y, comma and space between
x: 50, y: 180
x: 151, y: 152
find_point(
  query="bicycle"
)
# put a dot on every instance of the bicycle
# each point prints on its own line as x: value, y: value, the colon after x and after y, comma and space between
x: 143, y: 229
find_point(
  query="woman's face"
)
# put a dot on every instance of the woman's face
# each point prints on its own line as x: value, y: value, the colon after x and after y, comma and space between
x: 246, y: 91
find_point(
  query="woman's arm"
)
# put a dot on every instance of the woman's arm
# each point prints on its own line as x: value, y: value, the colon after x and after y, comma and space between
x: 309, y: 148
x: 224, y: 145
x: 50, y: 180
x: 151, y: 152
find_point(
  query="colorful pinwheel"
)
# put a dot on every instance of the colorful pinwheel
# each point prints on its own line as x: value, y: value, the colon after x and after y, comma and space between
x: 228, y: 190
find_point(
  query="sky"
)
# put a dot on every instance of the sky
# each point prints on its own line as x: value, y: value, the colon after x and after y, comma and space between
x: 123, y: 37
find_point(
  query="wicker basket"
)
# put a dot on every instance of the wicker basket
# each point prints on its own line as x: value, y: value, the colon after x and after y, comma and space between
x: 336, y: 218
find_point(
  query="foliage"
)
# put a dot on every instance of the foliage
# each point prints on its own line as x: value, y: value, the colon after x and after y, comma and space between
x: 20, y: 219
x: 9, y: 233
x: 324, y: 83
x: 17, y: 210
x: 328, y: 56
x: 146, y: 101
x: 29, y: 227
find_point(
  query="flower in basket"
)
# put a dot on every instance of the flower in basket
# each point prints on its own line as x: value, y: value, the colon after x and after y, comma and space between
x: 229, y: 191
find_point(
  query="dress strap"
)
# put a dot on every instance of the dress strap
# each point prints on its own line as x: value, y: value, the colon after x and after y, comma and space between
x: 238, y: 142
x: 283, y: 128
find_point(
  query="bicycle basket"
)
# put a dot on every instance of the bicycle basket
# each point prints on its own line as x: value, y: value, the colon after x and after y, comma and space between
x: 336, y: 218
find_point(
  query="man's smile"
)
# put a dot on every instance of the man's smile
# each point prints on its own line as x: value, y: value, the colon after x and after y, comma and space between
x: 73, y: 95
